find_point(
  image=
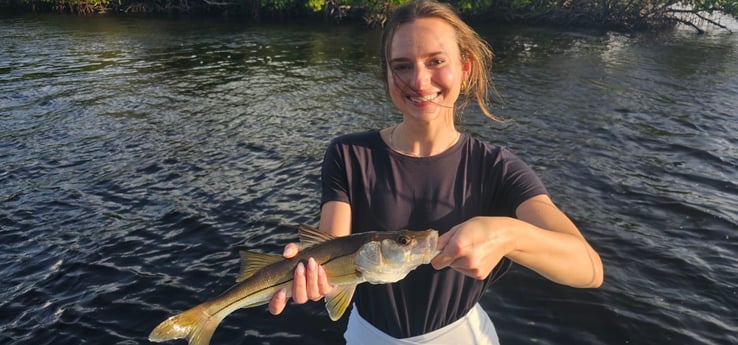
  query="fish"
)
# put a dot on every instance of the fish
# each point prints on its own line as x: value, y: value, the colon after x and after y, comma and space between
x: 376, y: 257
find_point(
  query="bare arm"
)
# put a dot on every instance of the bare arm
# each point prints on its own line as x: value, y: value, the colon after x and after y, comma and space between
x: 310, y: 281
x: 335, y: 218
x: 542, y: 238
x: 554, y: 247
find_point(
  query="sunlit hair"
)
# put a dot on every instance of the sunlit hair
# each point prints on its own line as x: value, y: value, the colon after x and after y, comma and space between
x: 471, y: 46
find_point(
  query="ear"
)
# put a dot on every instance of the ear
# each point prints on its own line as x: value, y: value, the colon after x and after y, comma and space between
x: 466, y: 67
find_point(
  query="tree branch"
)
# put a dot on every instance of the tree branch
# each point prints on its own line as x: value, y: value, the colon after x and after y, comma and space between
x: 700, y: 16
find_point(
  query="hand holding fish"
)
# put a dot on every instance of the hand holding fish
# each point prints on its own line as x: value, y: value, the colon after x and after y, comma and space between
x: 372, y: 257
x: 310, y: 282
x: 475, y: 246
x: 541, y: 238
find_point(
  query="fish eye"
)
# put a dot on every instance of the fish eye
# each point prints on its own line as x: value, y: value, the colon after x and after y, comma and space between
x: 403, y: 240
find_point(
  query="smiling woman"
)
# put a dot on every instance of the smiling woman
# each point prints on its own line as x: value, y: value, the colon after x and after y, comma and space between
x: 473, y: 51
x: 489, y: 207
x: 137, y: 157
x: 426, y: 72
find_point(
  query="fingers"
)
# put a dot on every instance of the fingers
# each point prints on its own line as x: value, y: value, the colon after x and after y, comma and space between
x: 448, y: 252
x: 309, y: 284
x: 442, y: 260
x: 290, y: 250
x: 278, y: 302
x: 311, y: 280
x: 464, y: 250
x: 444, y: 239
x: 323, y: 285
x: 299, y: 285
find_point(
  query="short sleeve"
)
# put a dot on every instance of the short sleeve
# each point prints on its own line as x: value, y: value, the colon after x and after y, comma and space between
x: 334, y: 177
x: 519, y: 182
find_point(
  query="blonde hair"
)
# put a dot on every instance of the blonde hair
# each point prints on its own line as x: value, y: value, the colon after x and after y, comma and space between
x: 472, y: 47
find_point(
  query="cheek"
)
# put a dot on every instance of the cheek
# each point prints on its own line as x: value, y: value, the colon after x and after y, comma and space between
x: 396, y: 86
x: 397, y: 82
x: 449, y: 78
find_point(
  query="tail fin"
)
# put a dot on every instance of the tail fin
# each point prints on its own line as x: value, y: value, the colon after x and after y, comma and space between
x: 195, y: 324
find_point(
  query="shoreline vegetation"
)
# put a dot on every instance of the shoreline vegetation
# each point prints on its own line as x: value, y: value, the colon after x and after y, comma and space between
x: 619, y: 15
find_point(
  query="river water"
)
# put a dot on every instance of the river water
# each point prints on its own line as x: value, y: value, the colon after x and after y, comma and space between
x: 138, y: 155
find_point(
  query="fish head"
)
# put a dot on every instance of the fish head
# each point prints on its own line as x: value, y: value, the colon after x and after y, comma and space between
x: 393, y: 254
x: 409, y: 247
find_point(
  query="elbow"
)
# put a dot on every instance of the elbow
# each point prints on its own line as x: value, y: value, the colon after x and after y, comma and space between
x: 593, y: 280
x: 596, y: 283
x: 598, y: 271
x: 598, y: 275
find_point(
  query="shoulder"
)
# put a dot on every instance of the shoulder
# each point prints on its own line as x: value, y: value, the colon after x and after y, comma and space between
x: 358, y: 145
x: 370, y: 137
x: 488, y: 152
x: 497, y: 160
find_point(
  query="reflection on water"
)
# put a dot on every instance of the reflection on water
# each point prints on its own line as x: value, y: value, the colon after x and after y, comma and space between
x: 138, y: 155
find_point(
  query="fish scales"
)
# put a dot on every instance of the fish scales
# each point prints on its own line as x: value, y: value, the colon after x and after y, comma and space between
x: 374, y: 257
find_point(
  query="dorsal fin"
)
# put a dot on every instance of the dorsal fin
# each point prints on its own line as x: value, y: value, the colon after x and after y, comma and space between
x: 310, y: 236
x: 253, y: 261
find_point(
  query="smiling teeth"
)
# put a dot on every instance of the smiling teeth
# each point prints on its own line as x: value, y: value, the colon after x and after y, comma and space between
x: 423, y: 99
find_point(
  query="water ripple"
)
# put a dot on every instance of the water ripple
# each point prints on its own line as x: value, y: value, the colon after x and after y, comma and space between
x: 139, y: 156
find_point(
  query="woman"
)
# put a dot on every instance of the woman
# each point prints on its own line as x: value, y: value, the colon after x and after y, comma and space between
x: 490, y: 208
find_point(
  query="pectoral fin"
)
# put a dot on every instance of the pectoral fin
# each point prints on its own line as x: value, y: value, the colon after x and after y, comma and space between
x: 253, y: 261
x: 337, y: 303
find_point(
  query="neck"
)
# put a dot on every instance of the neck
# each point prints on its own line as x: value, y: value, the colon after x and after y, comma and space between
x: 422, y: 142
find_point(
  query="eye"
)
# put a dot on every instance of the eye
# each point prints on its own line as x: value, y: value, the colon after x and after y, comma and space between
x: 403, y: 240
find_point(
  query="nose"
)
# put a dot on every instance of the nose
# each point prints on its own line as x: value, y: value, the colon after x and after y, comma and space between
x: 421, y: 77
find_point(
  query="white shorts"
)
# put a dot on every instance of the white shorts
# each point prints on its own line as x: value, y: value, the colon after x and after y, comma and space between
x: 474, y: 328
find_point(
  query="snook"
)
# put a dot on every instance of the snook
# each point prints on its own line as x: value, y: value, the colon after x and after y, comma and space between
x: 374, y: 257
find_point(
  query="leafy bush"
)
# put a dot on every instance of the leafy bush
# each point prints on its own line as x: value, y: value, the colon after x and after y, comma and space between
x: 614, y: 14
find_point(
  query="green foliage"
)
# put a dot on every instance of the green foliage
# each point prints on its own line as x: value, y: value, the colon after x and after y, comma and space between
x: 73, y: 6
x: 316, y: 5
x: 618, y: 14
x: 278, y: 4
x: 472, y: 6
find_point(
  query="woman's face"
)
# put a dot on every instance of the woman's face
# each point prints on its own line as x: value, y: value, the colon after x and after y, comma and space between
x: 425, y: 69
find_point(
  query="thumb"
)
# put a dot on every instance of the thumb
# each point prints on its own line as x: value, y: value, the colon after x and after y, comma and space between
x: 442, y: 260
x: 290, y: 250
x: 443, y: 240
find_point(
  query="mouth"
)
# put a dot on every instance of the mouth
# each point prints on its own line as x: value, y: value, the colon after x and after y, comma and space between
x: 432, y: 245
x: 423, y: 99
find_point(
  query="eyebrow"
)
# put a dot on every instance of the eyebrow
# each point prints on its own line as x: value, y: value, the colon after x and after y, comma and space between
x: 399, y: 60
x: 404, y: 59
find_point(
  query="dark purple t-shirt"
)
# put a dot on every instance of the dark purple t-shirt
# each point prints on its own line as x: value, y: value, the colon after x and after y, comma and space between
x: 390, y: 191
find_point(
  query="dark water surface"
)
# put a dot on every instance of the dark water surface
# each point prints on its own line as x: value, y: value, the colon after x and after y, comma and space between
x: 138, y: 155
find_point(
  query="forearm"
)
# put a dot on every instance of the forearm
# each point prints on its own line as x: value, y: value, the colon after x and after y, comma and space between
x: 562, y: 257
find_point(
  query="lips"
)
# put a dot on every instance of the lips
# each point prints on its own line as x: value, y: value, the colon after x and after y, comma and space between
x: 423, y: 99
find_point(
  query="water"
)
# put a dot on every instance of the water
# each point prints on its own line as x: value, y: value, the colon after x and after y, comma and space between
x: 138, y: 155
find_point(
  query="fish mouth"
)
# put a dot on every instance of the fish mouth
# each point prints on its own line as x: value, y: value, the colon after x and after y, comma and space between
x: 429, y: 247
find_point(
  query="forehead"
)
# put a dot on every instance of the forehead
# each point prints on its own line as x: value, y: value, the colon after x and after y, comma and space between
x: 423, y: 36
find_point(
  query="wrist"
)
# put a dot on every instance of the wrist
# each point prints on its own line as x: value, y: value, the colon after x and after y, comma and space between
x: 514, y: 238
x: 504, y: 233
